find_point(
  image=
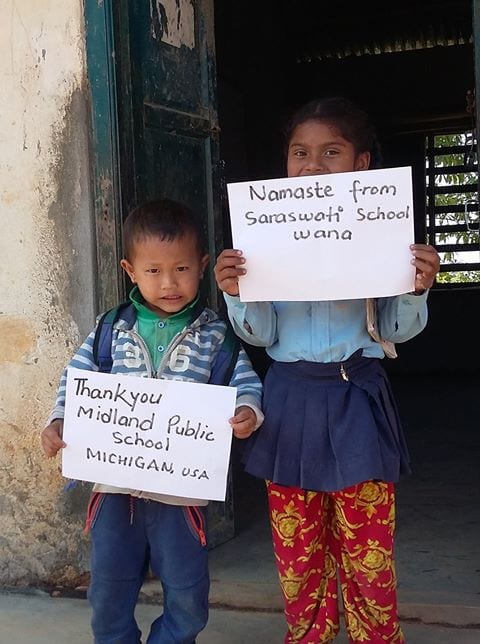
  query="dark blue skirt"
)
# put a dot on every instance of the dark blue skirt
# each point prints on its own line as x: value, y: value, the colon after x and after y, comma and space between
x: 324, y: 432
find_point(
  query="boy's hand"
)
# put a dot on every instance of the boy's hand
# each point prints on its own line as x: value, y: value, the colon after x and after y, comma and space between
x: 228, y: 269
x: 244, y: 421
x: 427, y: 263
x: 51, y: 437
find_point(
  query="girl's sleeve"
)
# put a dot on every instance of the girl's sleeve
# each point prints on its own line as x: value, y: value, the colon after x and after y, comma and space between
x: 253, y: 322
x: 249, y: 386
x: 403, y: 317
x: 83, y: 359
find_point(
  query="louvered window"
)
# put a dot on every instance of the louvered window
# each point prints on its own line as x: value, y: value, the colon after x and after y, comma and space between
x: 452, y: 206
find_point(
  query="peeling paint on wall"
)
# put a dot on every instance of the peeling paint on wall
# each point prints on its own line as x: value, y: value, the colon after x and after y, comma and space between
x: 46, y: 280
x: 173, y: 22
x: 17, y: 339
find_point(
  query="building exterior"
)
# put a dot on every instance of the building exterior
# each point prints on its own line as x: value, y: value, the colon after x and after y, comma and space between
x: 60, y: 204
x: 47, y: 280
x: 104, y: 104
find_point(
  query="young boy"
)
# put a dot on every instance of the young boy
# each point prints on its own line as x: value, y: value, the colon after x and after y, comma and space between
x: 173, y: 336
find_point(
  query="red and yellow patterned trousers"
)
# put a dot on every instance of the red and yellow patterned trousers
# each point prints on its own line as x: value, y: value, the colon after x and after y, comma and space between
x: 316, y: 532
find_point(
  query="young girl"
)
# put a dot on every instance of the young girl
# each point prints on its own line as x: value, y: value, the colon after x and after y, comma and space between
x: 331, y: 446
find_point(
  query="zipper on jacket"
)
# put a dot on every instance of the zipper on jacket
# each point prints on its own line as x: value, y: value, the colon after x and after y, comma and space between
x: 197, y: 323
x: 148, y: 358
x: 343, y: 373
x: 175, y: 341
x: 146, y: 352
x: 196, y: 519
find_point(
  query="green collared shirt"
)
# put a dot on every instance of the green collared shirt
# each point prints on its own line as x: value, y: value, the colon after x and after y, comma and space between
x: 157, y: 332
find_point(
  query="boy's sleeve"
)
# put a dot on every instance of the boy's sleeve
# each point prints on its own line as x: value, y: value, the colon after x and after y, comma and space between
x: 249, y: 386
x: 83, y: 359
x: 253, y: 322
x: 403, y: 317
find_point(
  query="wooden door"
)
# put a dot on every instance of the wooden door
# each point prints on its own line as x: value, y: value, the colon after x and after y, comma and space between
x: 155, y: 131
x: 166, y: 94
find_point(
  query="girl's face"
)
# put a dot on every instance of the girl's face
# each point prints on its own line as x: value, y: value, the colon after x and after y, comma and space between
x: 318, y: 148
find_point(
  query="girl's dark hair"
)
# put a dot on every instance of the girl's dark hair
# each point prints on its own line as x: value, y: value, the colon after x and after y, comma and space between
x: 352, y: 123
x: 162, y: 218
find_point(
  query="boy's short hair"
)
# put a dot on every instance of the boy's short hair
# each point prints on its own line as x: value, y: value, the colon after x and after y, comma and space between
x: 163, y: 218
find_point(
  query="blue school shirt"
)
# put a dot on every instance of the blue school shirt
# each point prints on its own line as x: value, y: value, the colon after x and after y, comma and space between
x: 325, y: 331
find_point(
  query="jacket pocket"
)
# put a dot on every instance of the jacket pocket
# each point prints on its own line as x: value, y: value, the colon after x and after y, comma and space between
x: 196, y: 522
x: 93, y: 510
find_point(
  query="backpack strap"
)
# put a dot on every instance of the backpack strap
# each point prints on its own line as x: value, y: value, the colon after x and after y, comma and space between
x: 223, y: 365
x: 226, y: 359
x: 102, y: 342
x: 372, y: 328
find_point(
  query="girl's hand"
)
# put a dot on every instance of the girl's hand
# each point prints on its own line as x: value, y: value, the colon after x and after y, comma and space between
x: 244, y: 421
x: 427, y: 262
x: 228, y: 269
x: 51, y: 437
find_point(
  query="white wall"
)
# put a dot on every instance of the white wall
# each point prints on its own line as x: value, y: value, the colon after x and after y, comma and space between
x: 46, y: 274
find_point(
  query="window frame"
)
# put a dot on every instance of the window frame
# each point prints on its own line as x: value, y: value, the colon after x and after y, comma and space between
x: 432, y: 210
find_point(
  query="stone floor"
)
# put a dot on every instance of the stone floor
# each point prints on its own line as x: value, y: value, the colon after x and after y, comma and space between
x: 438, y: 531
x: 438, y: 506
x: 37, y: 618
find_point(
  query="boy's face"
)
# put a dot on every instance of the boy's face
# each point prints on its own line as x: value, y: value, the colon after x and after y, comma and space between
x: 318, y: 148
x: 167, y: 273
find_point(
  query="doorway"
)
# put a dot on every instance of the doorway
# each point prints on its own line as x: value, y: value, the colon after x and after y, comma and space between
x: 158, y: 129
x: 416, y: 79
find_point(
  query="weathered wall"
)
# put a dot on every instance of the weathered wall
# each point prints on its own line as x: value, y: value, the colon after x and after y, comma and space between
x: 46, y: 287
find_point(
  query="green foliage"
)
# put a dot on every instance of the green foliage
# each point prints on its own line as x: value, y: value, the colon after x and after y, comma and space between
x: 461, y: 198
x: 459, y: 277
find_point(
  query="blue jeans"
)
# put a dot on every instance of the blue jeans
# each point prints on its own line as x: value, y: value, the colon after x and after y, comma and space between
x: 128, y: 535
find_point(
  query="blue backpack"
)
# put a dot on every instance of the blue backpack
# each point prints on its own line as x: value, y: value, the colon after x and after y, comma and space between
x: 223, y: 365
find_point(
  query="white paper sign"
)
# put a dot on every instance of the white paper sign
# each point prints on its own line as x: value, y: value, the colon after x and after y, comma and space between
x: 163, y: 436
x: 328, y: 237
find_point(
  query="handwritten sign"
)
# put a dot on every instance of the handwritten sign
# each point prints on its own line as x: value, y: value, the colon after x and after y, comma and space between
x: 163, y: 436
x: 329, y: 237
